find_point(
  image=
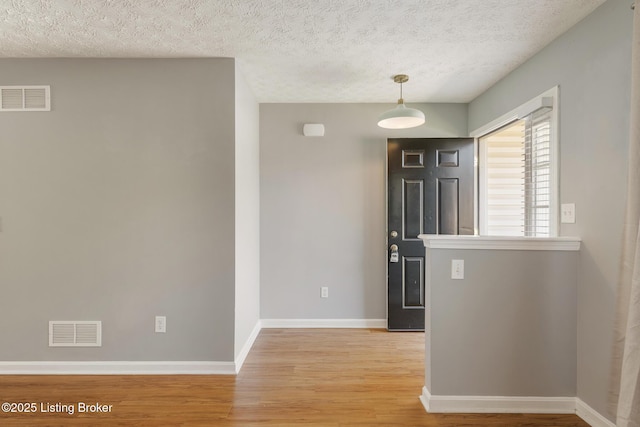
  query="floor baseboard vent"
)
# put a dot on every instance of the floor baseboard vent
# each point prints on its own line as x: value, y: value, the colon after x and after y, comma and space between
x: 65, y: 333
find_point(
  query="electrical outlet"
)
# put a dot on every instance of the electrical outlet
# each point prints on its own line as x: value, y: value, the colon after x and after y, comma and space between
x: 324, y: 292
x: 457, y: 269
x: 161, y: 324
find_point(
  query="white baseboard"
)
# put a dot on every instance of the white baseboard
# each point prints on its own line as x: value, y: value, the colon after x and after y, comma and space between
x: 325, y: 323
x: 247, y: 346
x: 497, y: 404
x: 591, y: 416
x: 117, y: 368
x: 507, y: 405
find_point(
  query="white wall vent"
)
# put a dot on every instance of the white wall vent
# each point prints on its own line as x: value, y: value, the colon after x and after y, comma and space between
x: 64, y: 333
x: 25, y: 98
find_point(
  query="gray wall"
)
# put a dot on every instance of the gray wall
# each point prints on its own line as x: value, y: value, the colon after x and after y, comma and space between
x: 323, y: 206
x: 591, y: 64
x: 118, y: 205
x: 507, y: 329
x: 247, y: 193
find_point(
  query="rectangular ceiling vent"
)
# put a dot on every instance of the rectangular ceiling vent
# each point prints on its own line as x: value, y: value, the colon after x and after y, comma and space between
x: 64, y: 333
x: 25, y: 98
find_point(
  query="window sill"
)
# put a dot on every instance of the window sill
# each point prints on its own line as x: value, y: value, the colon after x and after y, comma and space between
x: 440, y: 241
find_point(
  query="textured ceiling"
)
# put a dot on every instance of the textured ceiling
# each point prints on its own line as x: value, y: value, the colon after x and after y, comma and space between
x: 306, y: 51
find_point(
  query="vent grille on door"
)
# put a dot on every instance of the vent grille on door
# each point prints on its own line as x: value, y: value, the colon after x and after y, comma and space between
x: 63, y: 333
x: 25, y: 98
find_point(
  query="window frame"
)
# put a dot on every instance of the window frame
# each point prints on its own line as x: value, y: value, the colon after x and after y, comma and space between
x: 549, y: 98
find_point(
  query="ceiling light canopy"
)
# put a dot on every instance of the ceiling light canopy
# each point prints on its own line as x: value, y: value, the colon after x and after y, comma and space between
x: 401, y: 117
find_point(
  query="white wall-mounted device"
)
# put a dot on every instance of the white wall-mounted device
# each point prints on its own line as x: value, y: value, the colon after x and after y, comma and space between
x: 313, y: 129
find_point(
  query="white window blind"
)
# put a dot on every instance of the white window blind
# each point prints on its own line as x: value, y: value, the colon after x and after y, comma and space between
x: 537, y: 141
x: 505, y: 180
x: 517, y: 177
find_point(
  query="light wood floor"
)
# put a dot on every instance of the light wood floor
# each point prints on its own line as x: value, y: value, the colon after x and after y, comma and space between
x: 294, y: 377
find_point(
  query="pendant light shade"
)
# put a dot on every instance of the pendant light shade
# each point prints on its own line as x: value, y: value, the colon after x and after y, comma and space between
x: 401, y: 117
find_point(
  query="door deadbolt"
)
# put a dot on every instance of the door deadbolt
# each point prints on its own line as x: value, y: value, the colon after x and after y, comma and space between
x: 394, y: 234
x: 394, y: 257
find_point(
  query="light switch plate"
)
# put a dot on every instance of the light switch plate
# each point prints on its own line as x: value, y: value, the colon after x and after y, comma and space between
x: 457, y: 269
x: 568, y: 213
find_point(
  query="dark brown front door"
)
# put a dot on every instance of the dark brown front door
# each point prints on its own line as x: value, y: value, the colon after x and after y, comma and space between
x: 430, y: 191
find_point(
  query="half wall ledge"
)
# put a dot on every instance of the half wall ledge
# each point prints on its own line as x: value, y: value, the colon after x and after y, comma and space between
x: 441, y: 241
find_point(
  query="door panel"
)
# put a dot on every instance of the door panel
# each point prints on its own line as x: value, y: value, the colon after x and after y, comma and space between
x: 447, y: 202
x: 413, y: 282
x: 430, y: 191
x: 413, y: 203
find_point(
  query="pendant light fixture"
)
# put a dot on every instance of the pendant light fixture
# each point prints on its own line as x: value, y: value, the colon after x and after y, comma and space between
x: 401, y: 117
